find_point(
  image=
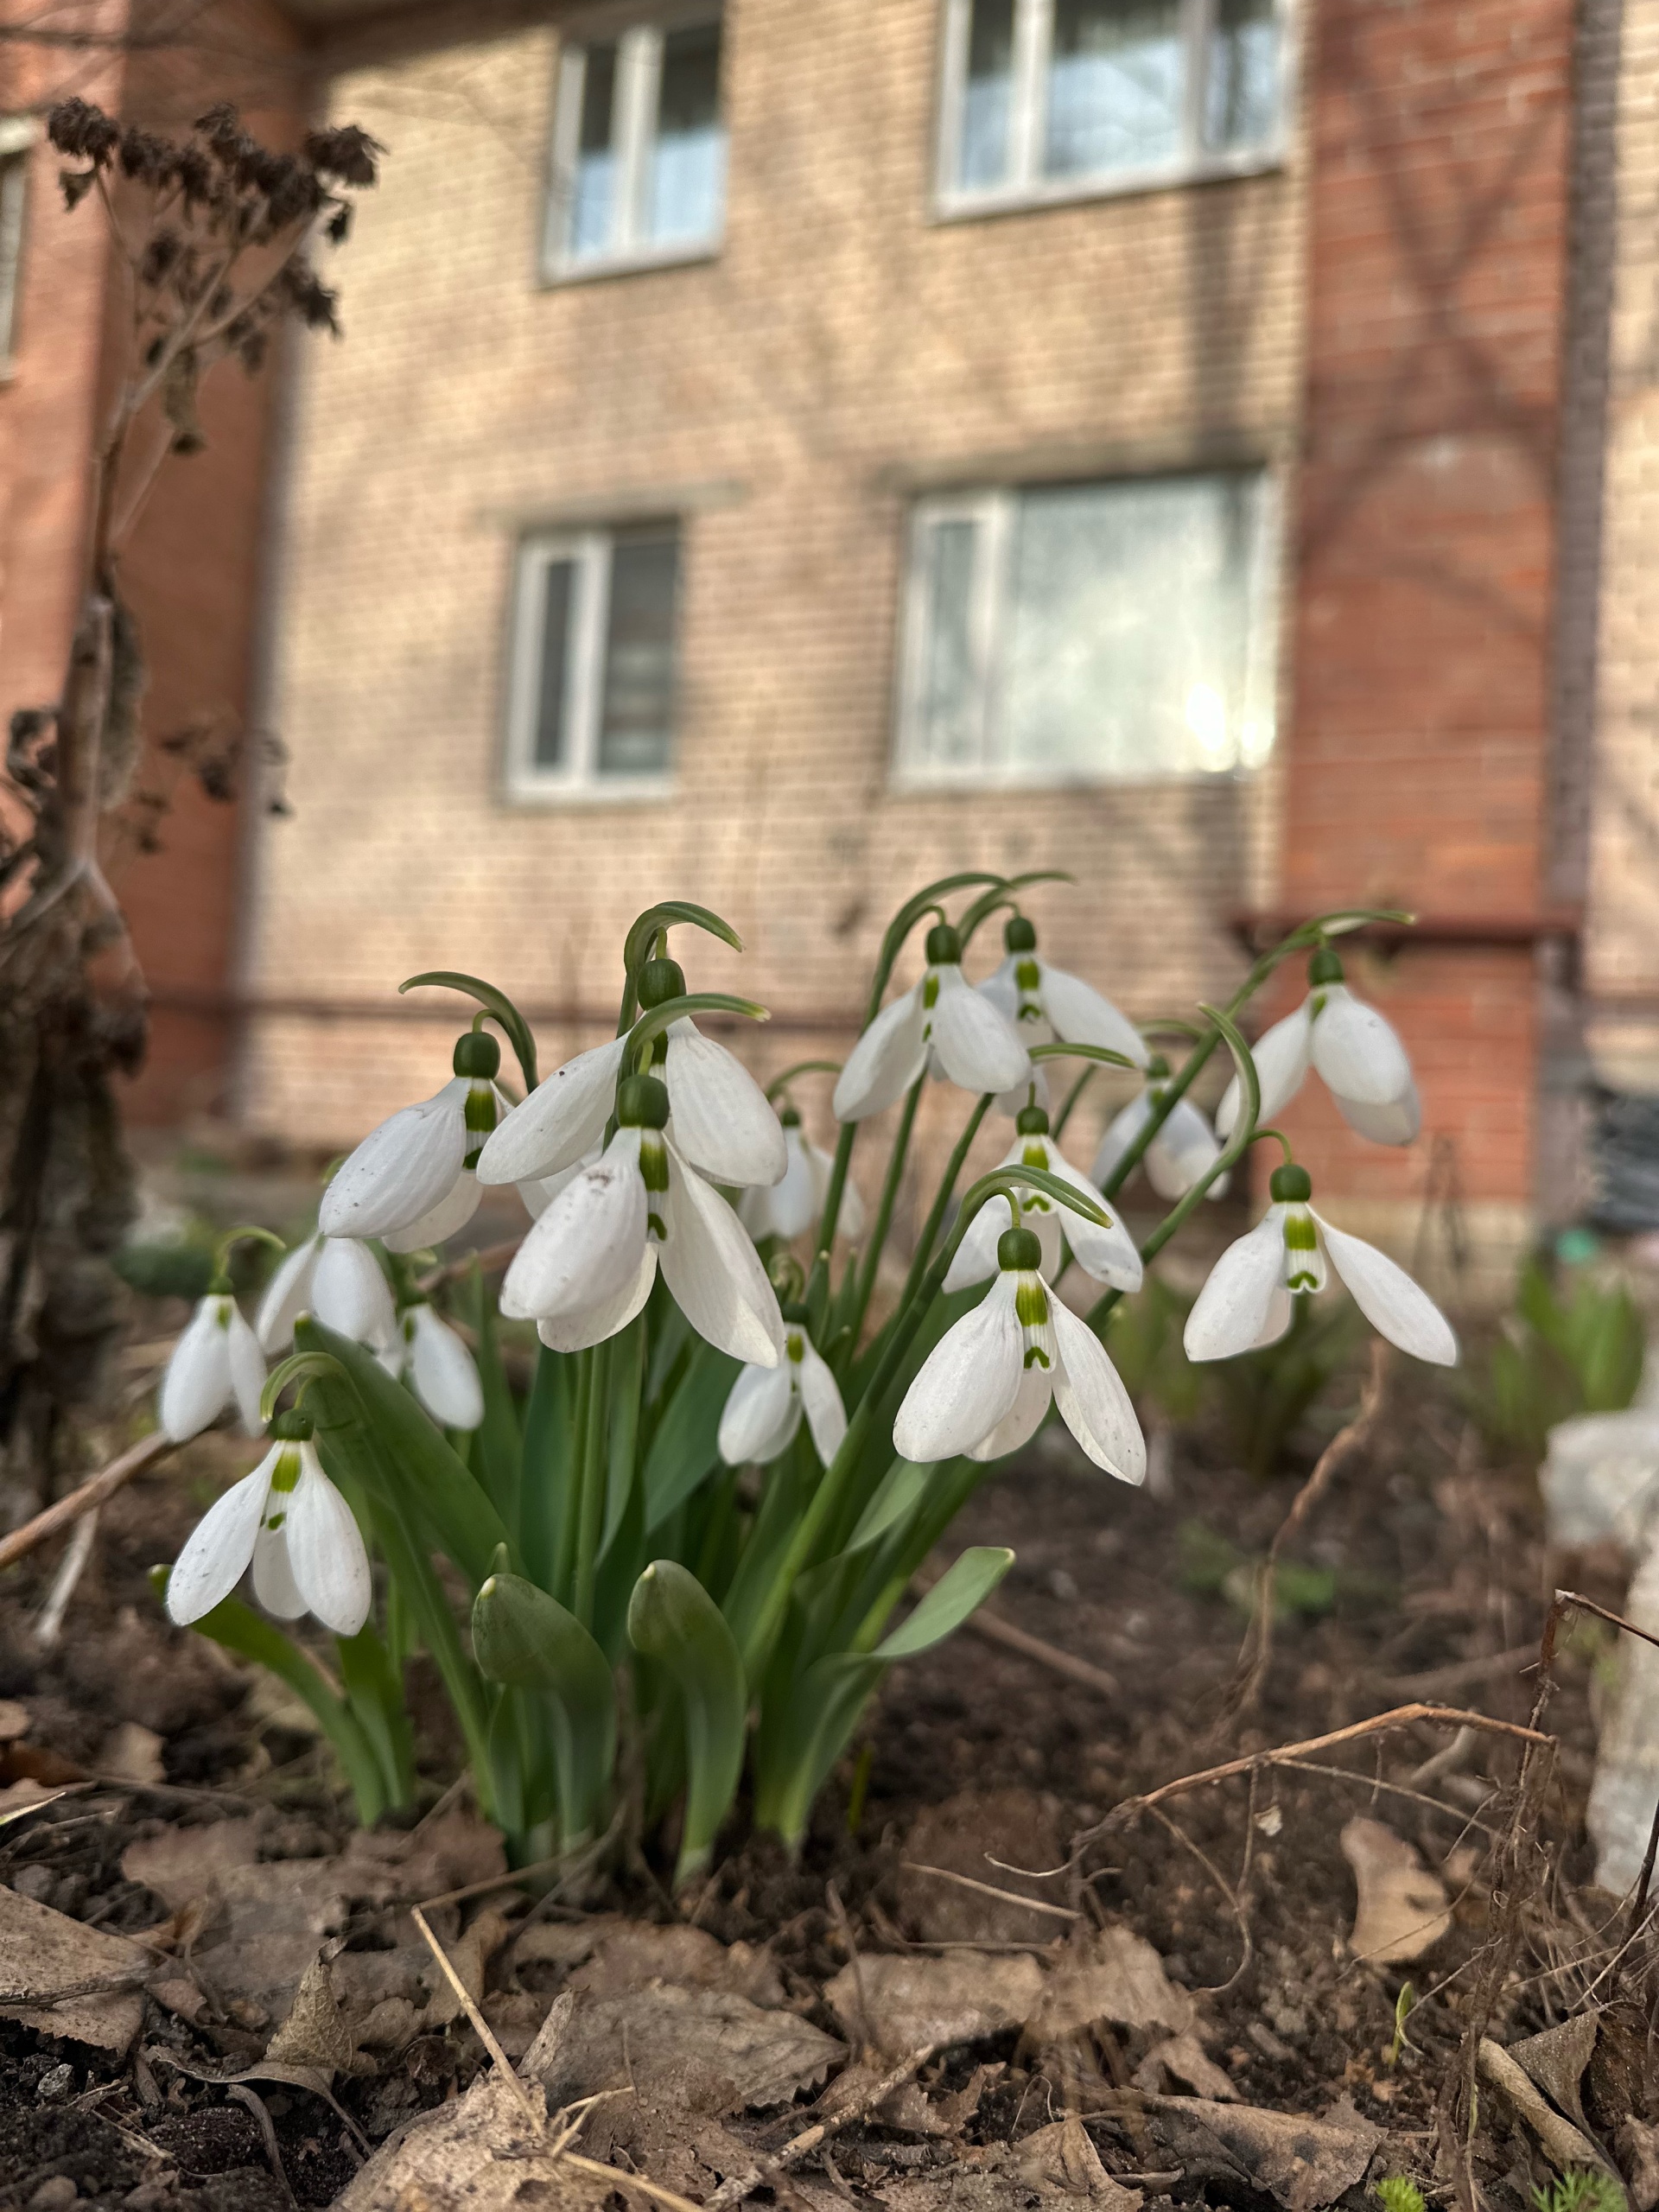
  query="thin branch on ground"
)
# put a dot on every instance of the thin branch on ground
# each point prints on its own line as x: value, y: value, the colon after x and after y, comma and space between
x: 67, y: 1510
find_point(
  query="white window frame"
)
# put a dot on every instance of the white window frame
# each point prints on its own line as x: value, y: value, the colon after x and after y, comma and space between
x: 17, y: 136
x: 639, y: 81
x: 994, y: 507
x: 1026, y: 186
x: 580, y: 777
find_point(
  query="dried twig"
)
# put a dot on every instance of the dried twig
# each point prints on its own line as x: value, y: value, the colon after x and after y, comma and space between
x: 989, y: 1889
x: 536, y: 2115
x: 48, y: 1625
x: 67, y: 1510
x: 811, y: 2139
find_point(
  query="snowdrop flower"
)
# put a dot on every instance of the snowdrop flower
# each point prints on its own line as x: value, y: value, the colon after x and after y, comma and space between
x: 428, y: 1354
x: 1184, y: 1150
x: 587, y: 1267
x: 795, y: 1202
x: 1044, y: 1003
x: 767, y: 1404
x: 337, y: 1279
x: 215, y: 1363
x: 722, y: 1123
x: 290, y: 1524
x: 410, y: 1181
x: 986, y: 1386
x: 1247, y: 1301
x: 1362, y: 1060
x: 1107, y: 1254
x: 942, y: 1024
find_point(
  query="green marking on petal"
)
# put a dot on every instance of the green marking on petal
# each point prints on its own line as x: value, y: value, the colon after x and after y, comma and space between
x: 1035, y: 1356
x: 653, y: 1161
x: 1030, y: 1303
x: 1029, y: 976
x: 287, y: 1472
x: 931, y: 990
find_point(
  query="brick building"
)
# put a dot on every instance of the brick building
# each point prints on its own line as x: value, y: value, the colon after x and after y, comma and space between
x: 783, y: 454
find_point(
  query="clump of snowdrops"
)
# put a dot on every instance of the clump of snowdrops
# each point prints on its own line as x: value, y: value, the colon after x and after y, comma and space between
x: 685, y: 1548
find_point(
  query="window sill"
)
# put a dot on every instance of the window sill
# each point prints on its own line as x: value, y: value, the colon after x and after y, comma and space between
x: 978, y: 783
x: 556, y: 274
x: 952, y: 206
x: 612, y: 790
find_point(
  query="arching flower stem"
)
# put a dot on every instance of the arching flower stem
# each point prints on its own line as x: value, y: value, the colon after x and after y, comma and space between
x: 870, y: 1259
x: 947, y: 1185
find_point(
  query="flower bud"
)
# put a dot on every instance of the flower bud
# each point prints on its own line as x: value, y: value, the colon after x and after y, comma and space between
x: 1290, y: 1185
x: 477, y: 1054
x: 1018, y: 934
x: 659, y: 982
x: 293, y: 1426
x: 1019, y: 1250
x: 943, y: 946
x: 642, y: 1103
x: 1031, y: 1121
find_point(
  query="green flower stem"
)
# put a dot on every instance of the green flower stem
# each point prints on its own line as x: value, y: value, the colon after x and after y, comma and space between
x: 872, y: 1258
x: 562, y: 1580
x: 595, y: 1470
x: 818, y: 1287
x: 947, y: 1186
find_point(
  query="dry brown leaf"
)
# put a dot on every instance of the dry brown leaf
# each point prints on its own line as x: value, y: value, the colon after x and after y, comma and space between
x: 274, y: 1919
x: 314, y: 2033
x: 481, y: 2154
x: 1185, y: 2059
x: 635, y: 1953
x: 42, y: 1952
x: 1403, y: 1907
x: 470, y: 1955
x: 15, y: 1720
x: 448, y: 1851
x: 1637, y: 2144
x: 1115, y: 1975
x: 907, y: 2003
x: 1555, y: 2061
x: 714, y: 2051
x: 183, y: 1864
x: 179, y: 1996
x: 1302, y: 2162
x: 132, y: 1752
x: 1062, y: 2157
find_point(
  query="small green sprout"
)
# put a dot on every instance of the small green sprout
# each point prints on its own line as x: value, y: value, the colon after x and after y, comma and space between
x: 1400, y: 2194
x: 1581, y: 2189
x: 1403, y: 2008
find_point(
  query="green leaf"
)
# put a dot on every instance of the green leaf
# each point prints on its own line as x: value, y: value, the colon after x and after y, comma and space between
x: 550, y: 1463
x: 525, y: 1638
x: 496, y: 1449
x: 374, y: 1690
x: 496, y: 1003
x: 959, y: 1591
x: 684, y: 1449
x: 1001, y: 895
x: 627, y: 1379
x: 673, y: 913
x: 901, y: 1488
x: 893, y: 943
x: 674, y: 1621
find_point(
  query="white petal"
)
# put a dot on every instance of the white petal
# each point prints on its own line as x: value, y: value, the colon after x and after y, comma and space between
x: 451, y: 1214
x: 1356, y: 1051
x: 1233, y: 1305
x: 216, y: 1557
x: 1396, y: 1122
x: 1396, y: 1306
x: 1109, y: 1254
x: 288, y: 1294
x: 592, y: 1325
x: 789, y: 1207
x: 1121, y: 1133
x: 722, y: 1123
x: 760, y: 1406
x: 325, y: 1550
x: 350, y: 1294
x: 247, y: 1364
x: 196, y: 1388
x: 885, y: 1062
x: 1184, y: 1150
x: 273, y: 1576
x: 441, y: 1370
x: 1002, y: 989
x: 1093, y: 1403
x: 539, y: 1191
x: 714, y: 1272
x: 1023, y: 1419
x: 826, y: 1416
x: 585, y: 1249
x: 972, y: 1042
x: 968, y: 1383
x: 1082, y: 1016
x: 561, y: 1119
x: 1282, y: 1312
x: 401, y: 1170
x: 976, y: 1256
x: 1281, y: 1061
x: 849, y: 1221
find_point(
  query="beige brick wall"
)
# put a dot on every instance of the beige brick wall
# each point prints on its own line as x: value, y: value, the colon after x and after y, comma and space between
x: 787, y: 396
x: 1622, y: 936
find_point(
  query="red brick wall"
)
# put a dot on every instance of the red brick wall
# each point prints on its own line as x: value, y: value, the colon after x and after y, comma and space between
x: 1424, y: 543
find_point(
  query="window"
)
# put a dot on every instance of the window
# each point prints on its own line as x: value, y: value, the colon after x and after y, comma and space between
x: 639, y: 149
x: 1089, y: 632
x: 1046, y: 98
x: 17, y: 135
x: 592, y: 673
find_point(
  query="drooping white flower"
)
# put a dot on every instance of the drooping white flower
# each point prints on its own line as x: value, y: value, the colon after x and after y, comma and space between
x: 795, y: 1203
x: 216, y: 1363
x: 410, y: 1181
x: 943, y: 1025
x: 1043, y: 1004
x: 340, y: 1281
x: 1184, y: 1150
x: 1349, y: 1044
x: 986, y: 1385
x: 1248, y: 1300
x: 766, y: 1404
x: 1107, y: 1254
x: 290, y: 1524
x: 721, y: 1121
x: 587, y: 1266
x: 428, y: 1353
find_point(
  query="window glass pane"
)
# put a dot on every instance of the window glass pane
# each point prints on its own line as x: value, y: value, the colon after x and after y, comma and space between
x: 949, y: 707
x: 13, y: 168
x: 593, y: 187
x: 553, y: 685
x: 1127, y: 651
x: 1115, y: 86
x: 1240, y: 104
x: 688, y: 160
x: 986, y: 96
x: 637, y: 717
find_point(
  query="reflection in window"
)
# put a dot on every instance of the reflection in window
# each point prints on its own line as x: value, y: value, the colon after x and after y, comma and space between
x: 1115, y: 86
x: 636, y: 713
x: 640, y: 149
x: 14, y: 178
x: 1241, y: 105
x: 988, y: 95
